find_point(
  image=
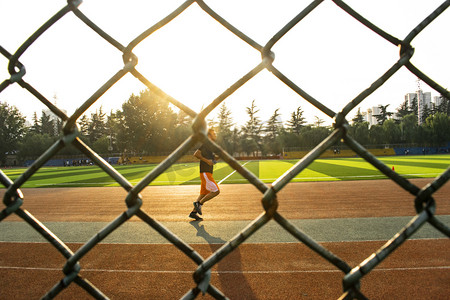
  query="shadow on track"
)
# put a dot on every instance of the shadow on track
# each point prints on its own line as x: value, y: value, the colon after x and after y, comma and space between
x: 233, y: 283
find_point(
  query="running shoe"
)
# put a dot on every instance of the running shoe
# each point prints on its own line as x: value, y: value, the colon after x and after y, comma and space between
x: 198, y: 207
x: 194, y: 215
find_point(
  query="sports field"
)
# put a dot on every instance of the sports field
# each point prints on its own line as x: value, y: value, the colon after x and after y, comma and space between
x: 267, y: 170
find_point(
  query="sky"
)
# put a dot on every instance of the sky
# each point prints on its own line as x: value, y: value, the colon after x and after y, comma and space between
x: 194, y: 59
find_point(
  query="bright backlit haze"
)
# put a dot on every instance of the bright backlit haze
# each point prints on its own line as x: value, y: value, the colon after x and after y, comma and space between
x: 194, y: 59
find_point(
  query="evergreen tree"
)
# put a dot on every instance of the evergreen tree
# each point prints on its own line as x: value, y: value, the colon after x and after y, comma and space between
x: 11, y: 131
x: 122, y: 140
x: 84, y: 125
x: 384, y: 114
x: 426, y: 113
x: 112, y: 127
x: 415, y: 106
x: 297, y: 121
x: 444, y: 106
x: 359, y: 118
x: 36, y: 127
x: 235, y: 141
x: 318, y: 121
x: 48, y: 126
x: 251, y: 131
x: 225, y: 133
x: 59, y: 126
x: 225, y: 119
x: 403, y: 110
x: 96, y: 127
x: 273, y: 125
x: 272, y: 129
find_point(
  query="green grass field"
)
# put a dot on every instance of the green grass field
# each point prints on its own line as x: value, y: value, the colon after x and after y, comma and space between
x: 267, y: 170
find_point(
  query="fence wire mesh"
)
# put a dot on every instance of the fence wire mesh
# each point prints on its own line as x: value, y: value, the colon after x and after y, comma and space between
x: 424, y: 203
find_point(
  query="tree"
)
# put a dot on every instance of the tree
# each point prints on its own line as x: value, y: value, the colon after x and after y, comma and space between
x: 272, y: 130
x: 415, y: 106
x: 273, y: 125
x: 392, y: 133
x: 225, y: 133
x: 11, y: 131
x: 426, y: 113
x: 384, y: 114
x: 147, y: 123
x: 36, y: 127
x: 183, y: 119
x: 423, y: 135
x: 182, y: 128
x: 360, y: 132
x: 34, y: 144
x: 59, y: 123
x: 251, y: 131
x: 297, y: 121
x: 403, y: 110
x: 236, y: 140
x: 120, y: 131
x: 47, y: 125
x: 102, y: 144
x: 359, y: 118
x: 111, y: 128
x: 84, y: 125
x: 408, y: 129
x: 376, y: 135
x: 439, y: 128
x: 311, y: 136
x: 318, y: 121
x: 96, y: 127
x: 444, y: 106
x: 225, y: 119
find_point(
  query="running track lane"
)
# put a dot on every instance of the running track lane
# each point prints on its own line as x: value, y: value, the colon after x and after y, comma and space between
x: 253, y: 271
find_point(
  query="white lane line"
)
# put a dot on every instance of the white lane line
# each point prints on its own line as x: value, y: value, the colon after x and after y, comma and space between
x: 231, y: 271
x: 231, y: 173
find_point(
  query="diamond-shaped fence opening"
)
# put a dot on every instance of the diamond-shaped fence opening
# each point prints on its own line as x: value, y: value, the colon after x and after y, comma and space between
x: 424, y: 203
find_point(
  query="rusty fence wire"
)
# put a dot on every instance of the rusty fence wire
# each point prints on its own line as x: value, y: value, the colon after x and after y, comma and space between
x: 424, y: 203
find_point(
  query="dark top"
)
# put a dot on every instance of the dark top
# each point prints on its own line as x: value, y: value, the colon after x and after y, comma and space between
x: 208, y: 154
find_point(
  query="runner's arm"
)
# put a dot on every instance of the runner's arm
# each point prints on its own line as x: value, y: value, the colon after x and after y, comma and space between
x: 199, y: 155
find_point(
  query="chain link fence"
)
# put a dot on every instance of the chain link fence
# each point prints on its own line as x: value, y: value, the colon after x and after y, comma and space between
x: 424, y: 203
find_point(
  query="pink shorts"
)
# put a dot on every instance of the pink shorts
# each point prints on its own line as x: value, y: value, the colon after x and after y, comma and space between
x: 208, y: 184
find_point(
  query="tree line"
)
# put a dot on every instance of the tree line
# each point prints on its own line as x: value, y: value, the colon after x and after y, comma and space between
x: 147, y: 125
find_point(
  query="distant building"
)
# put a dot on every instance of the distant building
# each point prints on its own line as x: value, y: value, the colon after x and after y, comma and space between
x: 423, y: 100
x: 410, y: 98
x: 369, y: 115
x: 437, y: 100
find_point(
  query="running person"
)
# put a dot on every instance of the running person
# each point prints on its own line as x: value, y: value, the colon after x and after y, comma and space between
x: 209, y: 188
